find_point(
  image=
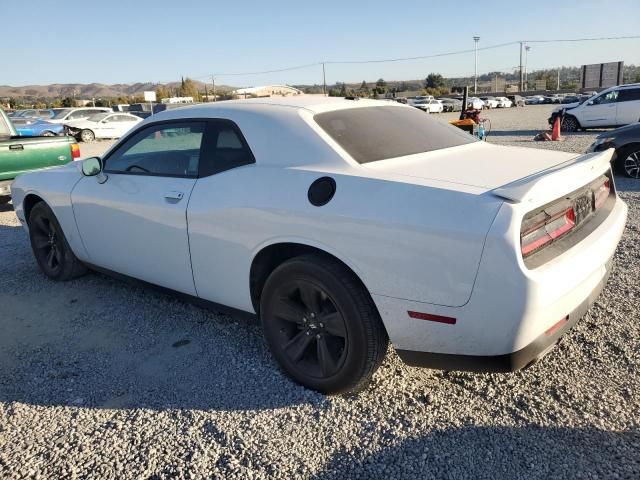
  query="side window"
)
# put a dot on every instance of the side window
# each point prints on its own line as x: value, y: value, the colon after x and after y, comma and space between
x: 608, y: 98
x: 629, y: 95
x: 76, y: 115
x: 170, y: 149
x: 226, y: 149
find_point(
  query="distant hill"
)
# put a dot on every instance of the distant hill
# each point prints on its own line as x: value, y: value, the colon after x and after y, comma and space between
x: 91, y: 90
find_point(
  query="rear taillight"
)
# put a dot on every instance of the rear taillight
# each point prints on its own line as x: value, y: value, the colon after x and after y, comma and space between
x: 601, y: 193
x: 543, y: 229
x: 75, y: 151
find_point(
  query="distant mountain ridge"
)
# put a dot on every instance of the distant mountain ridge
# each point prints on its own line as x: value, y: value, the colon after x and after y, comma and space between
x: 88, y: 91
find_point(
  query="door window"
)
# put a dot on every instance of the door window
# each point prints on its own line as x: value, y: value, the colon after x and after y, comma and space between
x: 226, y: 149
x: 607, y: 98
x: 169, y: 149
x: 629, y: 95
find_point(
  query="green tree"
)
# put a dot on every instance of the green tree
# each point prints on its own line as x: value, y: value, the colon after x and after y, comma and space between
x: 68, y: 102
x: 189, y: 89
x: 434, y: 80
x: 343, y: 90
x: 162, y: 92
x: 363, y: 91
x: 381, y: 87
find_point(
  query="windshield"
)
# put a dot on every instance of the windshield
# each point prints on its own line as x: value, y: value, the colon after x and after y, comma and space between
x: 369, y: 134
x: 98, y: 117
x: 60, y: 113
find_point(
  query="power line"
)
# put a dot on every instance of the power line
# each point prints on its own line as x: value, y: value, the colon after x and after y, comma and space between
x: 559, y: 40
x: 419, y: 57
x: 422, y: 57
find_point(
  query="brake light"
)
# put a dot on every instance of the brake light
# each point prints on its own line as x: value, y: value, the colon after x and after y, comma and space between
x: 75, y: 151
x: 543, y: 231
x: 601, y: 193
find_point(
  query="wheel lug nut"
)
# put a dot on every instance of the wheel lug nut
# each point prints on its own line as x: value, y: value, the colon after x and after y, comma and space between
x: 321, y: 325
x: 318, y: 336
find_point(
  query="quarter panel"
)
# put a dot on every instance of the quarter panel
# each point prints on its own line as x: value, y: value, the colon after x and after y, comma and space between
x: 403, y: 240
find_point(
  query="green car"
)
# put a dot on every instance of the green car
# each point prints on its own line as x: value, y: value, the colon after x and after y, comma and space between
x: 25, y: 154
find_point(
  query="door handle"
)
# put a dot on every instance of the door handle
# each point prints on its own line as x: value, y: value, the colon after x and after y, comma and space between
x: 16, y: 147
x: 174, y: 195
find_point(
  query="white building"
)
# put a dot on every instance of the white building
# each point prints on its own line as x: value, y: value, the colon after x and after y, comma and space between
x: 267, y: 91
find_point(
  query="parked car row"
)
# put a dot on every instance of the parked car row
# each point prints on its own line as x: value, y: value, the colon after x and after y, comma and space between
x: 85, y: 123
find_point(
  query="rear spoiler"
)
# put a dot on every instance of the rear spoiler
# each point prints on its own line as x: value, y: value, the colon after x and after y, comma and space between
x: 548, y: 184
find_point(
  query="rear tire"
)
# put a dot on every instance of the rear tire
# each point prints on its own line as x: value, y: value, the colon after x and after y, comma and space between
x: 4, y: 200
x: 50, y: 247
x: 87, y: 136
x: 321, y: 325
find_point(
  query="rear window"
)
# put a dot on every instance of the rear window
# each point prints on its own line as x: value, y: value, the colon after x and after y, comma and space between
x: 370, y: 134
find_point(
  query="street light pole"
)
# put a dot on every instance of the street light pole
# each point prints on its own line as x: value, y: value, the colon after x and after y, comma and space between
x: 213, y: 81
x: 526, y: 71
x: 324, y: 80
x: 476, y: 39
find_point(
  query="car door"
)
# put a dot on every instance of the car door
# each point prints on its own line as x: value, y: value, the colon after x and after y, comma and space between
x: 600, y: 112
x: 107, y: 127
x: 220, y: 250
x: 135, y: 223
x: 628, y: 110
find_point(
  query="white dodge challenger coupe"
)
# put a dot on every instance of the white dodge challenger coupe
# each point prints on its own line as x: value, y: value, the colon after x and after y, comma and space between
x: 342, y: 224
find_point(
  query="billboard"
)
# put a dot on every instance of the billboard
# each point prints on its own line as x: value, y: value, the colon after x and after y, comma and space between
x: 602, y: 75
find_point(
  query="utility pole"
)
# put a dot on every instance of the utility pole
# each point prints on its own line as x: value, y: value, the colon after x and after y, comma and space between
x: 324, y: 80
x: 476, y: 39
x: 558, y: 84
x: 521, y: 71
x: 213, y: 81
x: 526, y: 71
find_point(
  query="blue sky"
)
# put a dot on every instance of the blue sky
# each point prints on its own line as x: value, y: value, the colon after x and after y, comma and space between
x: 143, y: 40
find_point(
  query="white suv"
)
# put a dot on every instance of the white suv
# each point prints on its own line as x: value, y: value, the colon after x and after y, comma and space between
x: 613, y: 107
x: 67, y: 114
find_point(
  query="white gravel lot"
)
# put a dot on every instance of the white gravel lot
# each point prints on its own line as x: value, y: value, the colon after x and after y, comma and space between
x: 102, y: 379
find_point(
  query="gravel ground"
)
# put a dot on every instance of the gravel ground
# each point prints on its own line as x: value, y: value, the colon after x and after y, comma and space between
x: 102, y: 379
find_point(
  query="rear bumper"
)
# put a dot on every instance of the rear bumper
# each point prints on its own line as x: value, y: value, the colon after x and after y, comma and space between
x: 508, y: 362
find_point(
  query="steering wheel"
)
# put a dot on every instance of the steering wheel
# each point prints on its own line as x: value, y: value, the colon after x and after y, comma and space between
x: 131, y: 167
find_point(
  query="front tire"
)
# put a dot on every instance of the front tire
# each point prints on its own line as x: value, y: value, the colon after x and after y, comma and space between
x: 570, y: 124
x: 321, y: 325
x: 50, y: 247
x: 87, y: 136
x: 628, y: 161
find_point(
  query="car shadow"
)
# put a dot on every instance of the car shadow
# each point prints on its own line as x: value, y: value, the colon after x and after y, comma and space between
x: 627, y: 184
x: 6, y: 207
x: 532, y: 452
x: 103, y: 343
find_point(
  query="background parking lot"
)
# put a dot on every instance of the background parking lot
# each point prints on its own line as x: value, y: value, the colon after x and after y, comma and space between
x: 104, y: 379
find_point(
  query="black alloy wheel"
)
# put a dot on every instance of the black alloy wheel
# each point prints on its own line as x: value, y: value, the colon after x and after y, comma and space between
x: 53, y: 254
x: 313, y: 332
x: 321, y: 324
x: 45, y: 239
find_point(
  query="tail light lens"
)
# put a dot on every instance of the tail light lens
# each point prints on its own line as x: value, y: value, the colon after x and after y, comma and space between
x: 543, y: 229
x: 601, y: 193
x: 75, y: 151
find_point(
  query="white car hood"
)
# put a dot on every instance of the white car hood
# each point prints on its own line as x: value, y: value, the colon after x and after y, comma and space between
x: 80, y: 123
x: 478, y: 164
x: 566, y: 106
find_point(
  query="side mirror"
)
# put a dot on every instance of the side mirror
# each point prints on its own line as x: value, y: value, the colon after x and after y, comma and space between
x: 92, y: 167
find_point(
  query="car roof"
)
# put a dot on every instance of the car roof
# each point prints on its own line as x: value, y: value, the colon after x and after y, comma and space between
x: 312, y: 103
